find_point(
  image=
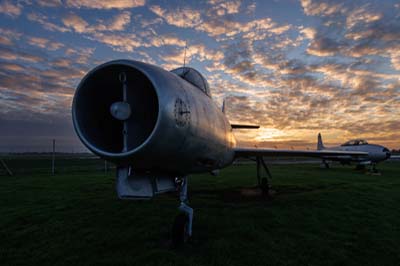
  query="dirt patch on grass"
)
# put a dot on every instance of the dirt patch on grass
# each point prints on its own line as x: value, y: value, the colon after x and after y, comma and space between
x: 251, y: 194
x: 247, y: 194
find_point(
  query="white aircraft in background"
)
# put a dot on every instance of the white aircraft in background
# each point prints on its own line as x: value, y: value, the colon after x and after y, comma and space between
x: 375, y: 153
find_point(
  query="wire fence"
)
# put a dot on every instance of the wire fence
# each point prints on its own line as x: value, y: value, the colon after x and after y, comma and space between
x: 20, y: 164
x: 42, y: 163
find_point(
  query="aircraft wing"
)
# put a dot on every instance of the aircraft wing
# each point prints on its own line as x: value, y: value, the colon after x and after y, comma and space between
x: 248, y: 152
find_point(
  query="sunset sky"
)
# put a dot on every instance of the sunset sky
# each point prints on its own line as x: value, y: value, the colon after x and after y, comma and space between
x: 294, y: 67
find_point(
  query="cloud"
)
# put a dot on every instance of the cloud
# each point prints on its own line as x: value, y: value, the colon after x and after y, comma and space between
x: 107, y: 32
x: 161, y: 40
x: 44, y: 21
x: 238, y: 61
x: 224, y: 28
x: 49, y: 3
x: 79, y: 25
x: 120, y: 21
x: 37, y: 86
x: 76, y: 23
x: 369, y: 30
x: 5, y: 41
x: 11, y: 67
x: 80, y: 55
x: 7, y: 36
x: 109, y: 4
x: 62, y: 62
x: 12, y: 55
x: 44, y: 43
x: 146, y: 23
x: 119, y: 42
x: 324, y: 46
x: 180, y: 17
x: 11, y: 9
x: 223, y: 7
x: 308, y: 32
x: 322, y: 8
x: 30, y: 91
x: 194, y: 52
x: 281, y: 29
x: 362, y: 15
x: 395, y: 59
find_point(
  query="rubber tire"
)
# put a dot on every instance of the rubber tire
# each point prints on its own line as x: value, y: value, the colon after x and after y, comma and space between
x: 179, y: 231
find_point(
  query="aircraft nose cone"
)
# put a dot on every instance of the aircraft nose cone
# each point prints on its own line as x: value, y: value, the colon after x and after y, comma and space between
x: 120, y: 110
x: 388, y: 153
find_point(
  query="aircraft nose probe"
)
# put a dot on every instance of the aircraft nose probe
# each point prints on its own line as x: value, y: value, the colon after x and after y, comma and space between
x: 122, y: 110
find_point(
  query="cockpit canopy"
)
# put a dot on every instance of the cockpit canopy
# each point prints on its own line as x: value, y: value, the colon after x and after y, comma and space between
x: 194, y: 77
x: 355, y: 142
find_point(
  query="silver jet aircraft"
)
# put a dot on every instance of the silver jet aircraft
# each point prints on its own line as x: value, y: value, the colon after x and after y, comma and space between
x: 160, y: 126
x: 375, y: 153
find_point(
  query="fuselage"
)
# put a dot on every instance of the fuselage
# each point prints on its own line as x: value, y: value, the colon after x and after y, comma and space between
x: 174, y: 126
x: 376, y: 153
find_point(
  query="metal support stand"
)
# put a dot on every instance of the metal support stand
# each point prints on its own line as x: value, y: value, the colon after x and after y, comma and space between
x: 6, y: 167
x: 325, y: 164
x: 373, y: 169
x: 263, y: 181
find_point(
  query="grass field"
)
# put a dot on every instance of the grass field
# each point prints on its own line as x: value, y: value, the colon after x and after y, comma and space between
x: 317, y: 217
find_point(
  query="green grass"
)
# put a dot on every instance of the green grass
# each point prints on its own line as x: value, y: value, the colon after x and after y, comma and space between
x: 317, y: 217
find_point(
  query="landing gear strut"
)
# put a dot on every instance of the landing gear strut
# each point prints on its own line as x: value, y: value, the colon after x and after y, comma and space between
x: 373, y: 169
x: 263, y: 181
x: 325, y: 164
x: 182, y: 227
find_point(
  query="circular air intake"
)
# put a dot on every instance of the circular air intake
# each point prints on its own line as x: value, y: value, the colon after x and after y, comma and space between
x: 115, y: 109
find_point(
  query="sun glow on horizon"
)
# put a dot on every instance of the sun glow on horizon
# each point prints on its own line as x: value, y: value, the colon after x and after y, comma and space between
x: 268, y: 134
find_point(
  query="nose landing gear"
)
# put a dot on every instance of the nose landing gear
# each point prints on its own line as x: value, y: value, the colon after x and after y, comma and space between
x: 373, y: 170
x: 263, y: 181
x: 182, y: 227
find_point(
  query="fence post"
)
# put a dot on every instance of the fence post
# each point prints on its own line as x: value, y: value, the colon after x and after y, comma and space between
x: 53, y: 158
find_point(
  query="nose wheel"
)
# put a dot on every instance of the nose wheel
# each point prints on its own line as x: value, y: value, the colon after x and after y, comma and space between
x: 180, y: 233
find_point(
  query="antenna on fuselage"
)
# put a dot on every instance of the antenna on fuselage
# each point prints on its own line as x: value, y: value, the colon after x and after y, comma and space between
x: 184, y: 55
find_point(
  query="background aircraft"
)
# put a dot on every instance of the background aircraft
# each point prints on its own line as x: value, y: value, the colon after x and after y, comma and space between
x: 158, y: 127
x: 375, y: 153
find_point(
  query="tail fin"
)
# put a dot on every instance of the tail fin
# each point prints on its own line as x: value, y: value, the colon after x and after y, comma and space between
x: 320, y: 144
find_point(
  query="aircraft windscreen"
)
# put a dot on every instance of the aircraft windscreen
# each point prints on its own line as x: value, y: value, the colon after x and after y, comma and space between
x: 194, y: 77
x: 355, y: 142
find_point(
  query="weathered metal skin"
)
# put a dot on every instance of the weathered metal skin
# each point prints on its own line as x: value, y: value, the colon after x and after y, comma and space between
x: 176, y: 128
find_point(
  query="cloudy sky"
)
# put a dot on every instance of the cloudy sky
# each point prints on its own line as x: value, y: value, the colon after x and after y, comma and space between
x: 295, y: 67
